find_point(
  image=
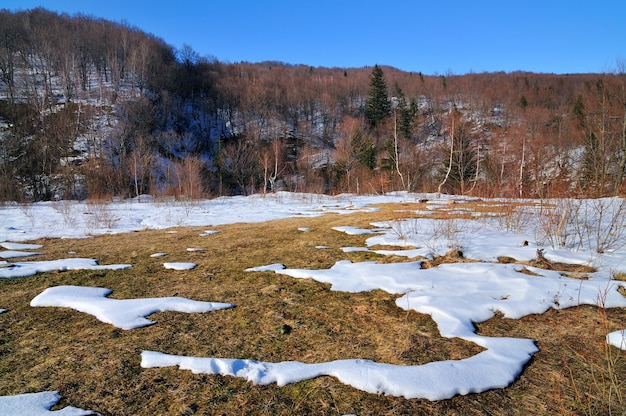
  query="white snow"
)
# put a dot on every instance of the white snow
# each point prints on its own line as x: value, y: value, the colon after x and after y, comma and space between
x: 436, y: 380
x: 353, y: 230
x: 617, y: 339
x: 19, y: 223
x: 12, y: 254
x: 122, y: 313
x: 269, y: 268
x: 454, y: 295
x: 20, y: 246
x: 37, y: 404
x: 353, y: 249
x: 209, y: 232
x: 179, y: 265
x: 30, y: 268
x: 14, y: 250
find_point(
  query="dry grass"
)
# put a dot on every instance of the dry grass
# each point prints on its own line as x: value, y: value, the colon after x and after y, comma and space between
x: 96, y: 366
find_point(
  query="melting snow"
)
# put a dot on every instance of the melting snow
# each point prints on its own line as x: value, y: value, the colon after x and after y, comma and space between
x: 24, y: 269
x: 122, y: 313
x: 179, y: 266
x: 36, y: 404
x: 455, y: 295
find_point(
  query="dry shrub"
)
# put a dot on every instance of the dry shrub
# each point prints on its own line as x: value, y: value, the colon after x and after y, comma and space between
x: 184, y: 180
x: 591, y: 380
x: 99, y: 214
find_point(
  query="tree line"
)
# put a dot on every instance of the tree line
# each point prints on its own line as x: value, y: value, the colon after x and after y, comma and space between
x: 93, y: 108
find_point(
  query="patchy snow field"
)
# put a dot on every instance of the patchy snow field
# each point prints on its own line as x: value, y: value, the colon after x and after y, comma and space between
x: 589, y: 232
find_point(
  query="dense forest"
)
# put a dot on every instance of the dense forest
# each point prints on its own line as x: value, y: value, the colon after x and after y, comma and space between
x: 95, y: 109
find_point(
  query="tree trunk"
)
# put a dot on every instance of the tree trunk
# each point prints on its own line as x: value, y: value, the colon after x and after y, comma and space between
x: 451, y: 156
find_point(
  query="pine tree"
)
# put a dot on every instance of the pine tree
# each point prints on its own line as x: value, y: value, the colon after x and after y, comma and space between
x: 404, y: 114
x: 523, y: 102
x: 578, y: 112
x: 377, y: 106
x: 363, y: 149
x: 593, y: 171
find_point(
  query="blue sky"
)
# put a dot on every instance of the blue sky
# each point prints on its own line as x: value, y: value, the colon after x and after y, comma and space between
x: 433, y: 37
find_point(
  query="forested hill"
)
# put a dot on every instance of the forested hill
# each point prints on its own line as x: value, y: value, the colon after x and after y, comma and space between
x: 90, y: 108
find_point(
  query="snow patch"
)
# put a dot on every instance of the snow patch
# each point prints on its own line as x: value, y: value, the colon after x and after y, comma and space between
x: 25, y: 269
x: 35, y: 404
x: 179, y: 266
x: 122, y: 313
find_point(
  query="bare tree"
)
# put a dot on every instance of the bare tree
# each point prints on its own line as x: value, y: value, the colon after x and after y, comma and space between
x: 238, y: 161
x: 396, y: 153
x: 449, y: 169
x: 620, y: 94
x: 12, y: 39
x: 272, y: 163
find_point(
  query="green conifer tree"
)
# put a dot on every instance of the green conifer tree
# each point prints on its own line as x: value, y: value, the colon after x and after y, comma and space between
x: 404, y: 114
x: 377, y: 106
x: 363, y: 149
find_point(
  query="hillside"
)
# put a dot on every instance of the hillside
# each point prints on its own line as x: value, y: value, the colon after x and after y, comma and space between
x: 91, y: 108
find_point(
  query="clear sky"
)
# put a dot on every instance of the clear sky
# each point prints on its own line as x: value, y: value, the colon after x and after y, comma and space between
x: 433, y: 37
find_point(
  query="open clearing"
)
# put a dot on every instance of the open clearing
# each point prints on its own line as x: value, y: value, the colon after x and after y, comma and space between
x: 279, y: 318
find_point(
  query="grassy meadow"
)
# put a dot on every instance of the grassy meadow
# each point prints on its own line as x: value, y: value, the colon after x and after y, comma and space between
x: 97, y: 366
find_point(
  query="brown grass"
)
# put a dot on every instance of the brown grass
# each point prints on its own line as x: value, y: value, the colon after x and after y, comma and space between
x: 96, y: 366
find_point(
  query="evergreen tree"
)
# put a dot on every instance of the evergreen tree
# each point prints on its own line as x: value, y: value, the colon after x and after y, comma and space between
x: 404, y: 114
x: 578, y: 112
x: 593, y: 175
x: 594, y: 171
x: 523, y: 102
x: 363, y: 149
x: 377, y: 106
